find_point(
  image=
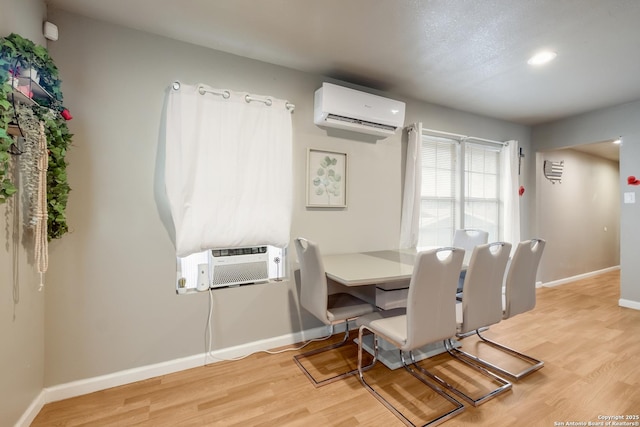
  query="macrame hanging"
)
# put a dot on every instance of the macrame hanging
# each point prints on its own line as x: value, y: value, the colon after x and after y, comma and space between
x: 40, y: 235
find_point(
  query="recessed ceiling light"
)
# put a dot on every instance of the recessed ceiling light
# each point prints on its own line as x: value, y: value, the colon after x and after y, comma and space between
x: 542, y: 57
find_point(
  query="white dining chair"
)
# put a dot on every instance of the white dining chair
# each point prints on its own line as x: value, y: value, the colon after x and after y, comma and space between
x: 481, y: 305
x: 520, y: 297
x: 428, y: 318
x: 467, y: 239
x: 334, y: 309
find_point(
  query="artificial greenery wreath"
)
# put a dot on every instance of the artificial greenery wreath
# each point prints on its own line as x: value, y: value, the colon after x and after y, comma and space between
x: 16, y: 54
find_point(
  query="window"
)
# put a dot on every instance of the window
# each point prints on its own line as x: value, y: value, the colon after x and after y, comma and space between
x: 460, y: 188
x: 482, y: 188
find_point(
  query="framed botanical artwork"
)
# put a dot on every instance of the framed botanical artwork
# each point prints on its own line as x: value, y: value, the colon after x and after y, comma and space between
x: 326, y: 179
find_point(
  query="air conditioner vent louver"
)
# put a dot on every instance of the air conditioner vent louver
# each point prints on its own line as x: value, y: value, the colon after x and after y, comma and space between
x: 388, y: 128
x: 235, y: 274
x: 237, y: 266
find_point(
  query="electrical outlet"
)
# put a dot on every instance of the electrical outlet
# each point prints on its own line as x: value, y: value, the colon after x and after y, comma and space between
x: 203, y: 277
x: 630, y: 197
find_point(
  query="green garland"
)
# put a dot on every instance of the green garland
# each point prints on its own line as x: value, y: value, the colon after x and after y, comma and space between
x: 7, y: 189
x: 18, y: 53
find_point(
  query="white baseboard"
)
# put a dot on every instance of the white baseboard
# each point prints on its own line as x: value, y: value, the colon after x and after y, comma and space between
x: 32, y: 411
x: 580, y: 276
x: 629, y: 304
x: 90, y: 385
x: 621, y: 302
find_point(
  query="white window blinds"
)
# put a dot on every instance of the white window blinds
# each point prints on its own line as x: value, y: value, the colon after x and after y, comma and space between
x: 438, y: 213
x: 482, y: 188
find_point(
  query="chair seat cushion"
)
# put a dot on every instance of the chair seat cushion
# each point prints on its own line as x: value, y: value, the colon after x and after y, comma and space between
x: 391, y: 324
x: 346, y: 306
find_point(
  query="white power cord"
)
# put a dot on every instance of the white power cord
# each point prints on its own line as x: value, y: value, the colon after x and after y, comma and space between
x: 209, y: 338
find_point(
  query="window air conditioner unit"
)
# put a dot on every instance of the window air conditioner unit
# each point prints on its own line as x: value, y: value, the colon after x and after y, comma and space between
x: 343, y: 108
x: 237, y: 266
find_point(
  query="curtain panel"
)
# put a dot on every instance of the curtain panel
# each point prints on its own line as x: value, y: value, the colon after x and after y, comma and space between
x: 510, y: 157
x: 228, y: 171
x: 410, y: 221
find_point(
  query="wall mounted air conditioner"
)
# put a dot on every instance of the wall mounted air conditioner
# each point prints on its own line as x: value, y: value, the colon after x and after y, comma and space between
x: 343, y: 108
x: 239, y: 266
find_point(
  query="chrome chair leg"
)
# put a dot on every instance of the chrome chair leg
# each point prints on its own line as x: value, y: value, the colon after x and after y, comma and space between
x: 459, y: 407
x: 503, y: 387
x: 319, y: 383
x: 535, y: 363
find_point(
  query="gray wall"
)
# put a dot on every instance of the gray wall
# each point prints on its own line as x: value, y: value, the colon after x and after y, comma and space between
x: 580, y: 217
x: 110, y: 300
x: 608, y: 124
x: 111, y: 303
x: 21, y: 305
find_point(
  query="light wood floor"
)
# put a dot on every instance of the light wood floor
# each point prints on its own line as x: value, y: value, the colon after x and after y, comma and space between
x: 590, y: 345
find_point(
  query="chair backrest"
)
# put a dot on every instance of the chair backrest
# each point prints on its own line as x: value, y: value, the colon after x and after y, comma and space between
x: 482, y: 289
x: 313, y: 286
x: 520, y: 292
x: 468, y: 238
x: 431, y: 311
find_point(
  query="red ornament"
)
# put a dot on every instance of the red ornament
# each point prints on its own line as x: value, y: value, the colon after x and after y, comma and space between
x: 521, y: 191
x: 66, y: 114
x: 631, y: 180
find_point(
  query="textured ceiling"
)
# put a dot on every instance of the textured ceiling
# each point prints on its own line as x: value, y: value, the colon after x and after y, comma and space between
x: 465, y: 54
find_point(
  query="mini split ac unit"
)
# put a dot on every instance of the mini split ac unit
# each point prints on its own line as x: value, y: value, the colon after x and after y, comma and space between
x: 343, y: 108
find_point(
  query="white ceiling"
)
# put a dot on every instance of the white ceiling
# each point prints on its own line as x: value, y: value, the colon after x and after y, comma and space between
x: 465, y: 54
x: 606, y: 149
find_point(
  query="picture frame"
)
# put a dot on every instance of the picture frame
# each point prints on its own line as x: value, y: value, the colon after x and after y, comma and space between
x: 326, y: 179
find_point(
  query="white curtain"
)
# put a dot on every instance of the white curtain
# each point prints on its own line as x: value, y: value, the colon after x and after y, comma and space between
x: 228, y: 171
x: 410, y: 222
x: 510, y: 156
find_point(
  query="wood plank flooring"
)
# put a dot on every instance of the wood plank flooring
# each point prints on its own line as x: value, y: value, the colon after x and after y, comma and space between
x: 590, y: 345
